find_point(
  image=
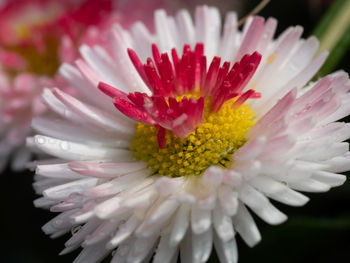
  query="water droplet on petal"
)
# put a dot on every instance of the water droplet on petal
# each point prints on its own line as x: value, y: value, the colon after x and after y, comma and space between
x: 64, y: 145
x: 57, y: 222
x: 40, y: 140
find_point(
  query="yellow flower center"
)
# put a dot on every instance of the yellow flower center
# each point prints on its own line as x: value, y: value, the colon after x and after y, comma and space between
x: 212, y: 143
x: 41, y: 62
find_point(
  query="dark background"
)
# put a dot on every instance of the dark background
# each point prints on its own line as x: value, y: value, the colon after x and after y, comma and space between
x: 317, y: 232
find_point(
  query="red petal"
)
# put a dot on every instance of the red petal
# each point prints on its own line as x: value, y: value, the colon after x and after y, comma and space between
x: 111, y: 91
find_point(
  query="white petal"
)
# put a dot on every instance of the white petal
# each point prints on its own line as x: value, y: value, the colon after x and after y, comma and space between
x: 202, y: 246
x: 228, y: 200
x: 226, y: 251
x: 331, y: 179
x: 143, y: 40
x: 92, y: 254
x: 75, y: 151
x: 143, y: 198
x: 280, y: 109
x: 108, y: 208
x: 228, y: 48
x: 246, y: 227
x: 124, y: 232
x: 103, y: 69
x: 105, y: 170
x: 163, y: 212
x: 305, y: 75
x: 141, y: 248
x: 44, y: 202
x: 157, y: 217
x: 200, y: 219
x: 118, y: 184
x: 78, y: 237
x: 278, y: 191
x: 213, y: 176
x: 57, y: 171
x: 167, y: 186
x: 64, y: 190
x: 71, y: 132
x: 208, y: 26
x: 122, y: 251
x: 93, y: 95
x: 164, y: 252
x: 309, y: 185
x: 251, y: 38
x: 261, y: 205
x: 338, y: 164
x: 251, y: 149
x: 222, y: 224
x: 58, y: 223
x: 118, y: 124
x: 267, y: 35
x: 165, y: 36
x: 104, y: 231
x: 180, y: 225
x: 186, y: 28
x: 126, y: 70
x: 58, y: 107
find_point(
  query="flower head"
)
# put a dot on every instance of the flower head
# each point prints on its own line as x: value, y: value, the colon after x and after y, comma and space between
x: 36, y: 36
x: 171, y: 158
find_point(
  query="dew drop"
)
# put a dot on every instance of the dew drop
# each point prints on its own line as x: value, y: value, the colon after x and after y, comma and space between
x: 64, y: 145
x: 58, y: 222
x: 40, y: 140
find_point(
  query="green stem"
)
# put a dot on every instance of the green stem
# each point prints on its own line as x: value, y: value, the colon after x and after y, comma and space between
x: 336, y: 54
x: 333, y: 32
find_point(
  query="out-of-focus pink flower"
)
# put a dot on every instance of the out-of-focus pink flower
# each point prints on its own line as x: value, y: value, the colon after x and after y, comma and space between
x: 36, y: 36
x: 19, y: 102
x: 32, y: 32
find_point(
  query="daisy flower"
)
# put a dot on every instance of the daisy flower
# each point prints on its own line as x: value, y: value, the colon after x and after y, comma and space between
x: 181, y: 134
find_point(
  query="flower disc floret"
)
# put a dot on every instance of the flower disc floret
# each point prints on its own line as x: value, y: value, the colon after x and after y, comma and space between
x: 211, y: 143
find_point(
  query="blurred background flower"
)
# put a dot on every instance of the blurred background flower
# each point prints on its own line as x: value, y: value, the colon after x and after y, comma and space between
x: 36, y: 36
x: 312, y: 233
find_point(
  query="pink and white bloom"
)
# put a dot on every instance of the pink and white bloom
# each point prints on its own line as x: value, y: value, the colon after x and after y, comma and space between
x: 186, y: 135
x: 36, y: 36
